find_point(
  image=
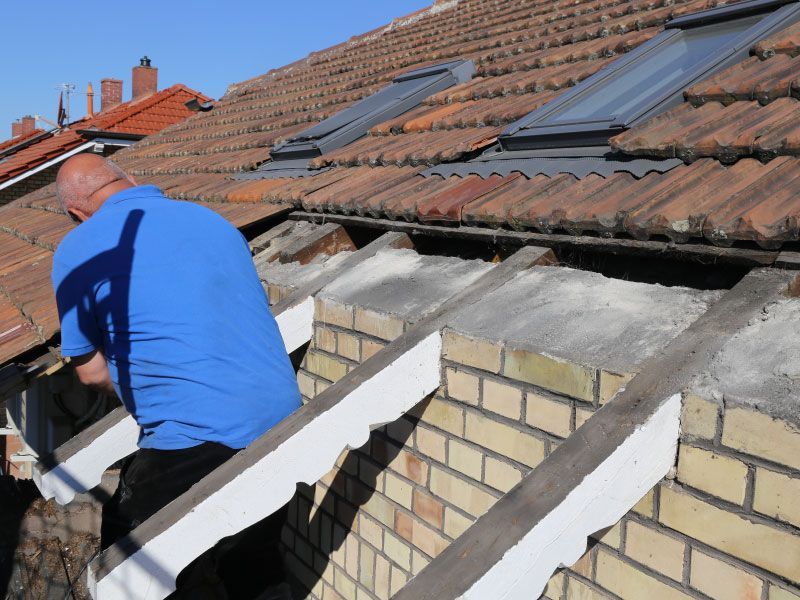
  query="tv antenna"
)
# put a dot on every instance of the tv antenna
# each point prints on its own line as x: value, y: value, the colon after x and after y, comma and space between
x: 67, y: 89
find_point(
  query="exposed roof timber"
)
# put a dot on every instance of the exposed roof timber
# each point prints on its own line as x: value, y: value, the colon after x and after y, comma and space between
x: 303, y: 447
x: 699, y: 253
x: 78, y: 465
x: 15, y: 377
x: 282, y: 169
x: 514, y: 548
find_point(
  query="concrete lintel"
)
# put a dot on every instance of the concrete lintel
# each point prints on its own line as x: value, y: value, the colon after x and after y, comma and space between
x: 597, y: 474
x: 78, y: 465
x: 301, y: 448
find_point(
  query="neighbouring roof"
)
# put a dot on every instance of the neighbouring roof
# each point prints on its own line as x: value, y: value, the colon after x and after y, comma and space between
x: 143, y: 116
x: 10, y: 143
x: 734, y: 137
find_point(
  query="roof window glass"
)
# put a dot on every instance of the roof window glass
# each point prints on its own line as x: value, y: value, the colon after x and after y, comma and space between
x: 651, y: 78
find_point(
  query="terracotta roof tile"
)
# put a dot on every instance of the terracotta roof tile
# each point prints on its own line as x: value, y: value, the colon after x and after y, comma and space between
x: 14, y: 141
x: 783, y: 42
x: 447, y: 205
x: 752, y: 79
x: 344, y: 194
x: 736, y: 131
x: 727, y: 133
x: 765, y: 211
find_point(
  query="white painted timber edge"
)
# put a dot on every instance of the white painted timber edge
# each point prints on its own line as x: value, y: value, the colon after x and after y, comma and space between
x: 260, y: 490
x: 297, y: 324
x: 84, y: 469
x: 598, y: 502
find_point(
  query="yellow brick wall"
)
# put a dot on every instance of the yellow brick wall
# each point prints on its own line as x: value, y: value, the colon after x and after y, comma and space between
x: 389, y: 508
x: 726, y: 527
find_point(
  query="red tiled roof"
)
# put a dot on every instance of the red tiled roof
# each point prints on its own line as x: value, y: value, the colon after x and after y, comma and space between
x: 735, y: 133
x: 19, y: 139
x: 140, y: 117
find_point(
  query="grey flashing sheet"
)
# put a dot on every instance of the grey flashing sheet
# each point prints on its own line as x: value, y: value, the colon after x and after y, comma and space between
x: 651, y: 78
x: 579, y: 162
x: 282, y: 169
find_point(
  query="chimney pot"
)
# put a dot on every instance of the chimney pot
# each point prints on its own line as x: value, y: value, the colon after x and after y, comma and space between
x: 145, y: 79
x: 110, y: 93
x: 90, y: 100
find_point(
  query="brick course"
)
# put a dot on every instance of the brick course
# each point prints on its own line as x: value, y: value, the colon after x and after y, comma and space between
x: 389, y: 508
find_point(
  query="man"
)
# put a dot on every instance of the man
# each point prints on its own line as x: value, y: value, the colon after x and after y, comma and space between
x: 161, y: 305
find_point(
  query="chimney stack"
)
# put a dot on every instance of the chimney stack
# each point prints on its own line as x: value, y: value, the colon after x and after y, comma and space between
x: 145, y: 79
x: 24, y: 126
x: 110, y: 93
x: 89, y: 100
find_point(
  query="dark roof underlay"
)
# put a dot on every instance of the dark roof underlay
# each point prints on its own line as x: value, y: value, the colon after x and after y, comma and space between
x: 407, y: 91
x: 579, y: 162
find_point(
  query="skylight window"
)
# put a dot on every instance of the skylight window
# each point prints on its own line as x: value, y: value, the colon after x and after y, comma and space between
x: 407, y: 91
x: 651, y: 78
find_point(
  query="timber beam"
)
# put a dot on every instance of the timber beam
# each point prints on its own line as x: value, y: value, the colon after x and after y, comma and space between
x: 697, y: 253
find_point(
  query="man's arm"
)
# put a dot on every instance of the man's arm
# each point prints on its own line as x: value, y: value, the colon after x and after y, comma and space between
x: 92, y: 370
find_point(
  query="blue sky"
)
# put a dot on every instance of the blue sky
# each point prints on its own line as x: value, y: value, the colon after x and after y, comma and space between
x: 205, y: 44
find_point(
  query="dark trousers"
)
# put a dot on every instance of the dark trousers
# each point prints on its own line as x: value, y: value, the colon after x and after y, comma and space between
x: 240, y: 566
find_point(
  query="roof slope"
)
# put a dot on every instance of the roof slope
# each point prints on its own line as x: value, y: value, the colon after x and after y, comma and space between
x: 526, y: 53
x: 143, y: 116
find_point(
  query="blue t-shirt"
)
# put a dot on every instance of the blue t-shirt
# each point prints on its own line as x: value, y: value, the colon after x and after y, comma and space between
x: 168, y: 291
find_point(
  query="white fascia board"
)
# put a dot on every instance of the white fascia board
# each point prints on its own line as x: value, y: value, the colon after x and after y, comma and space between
x: 603, y: 497
x: 63, y: 157
x: 84, y: 470
x: 260, y: 490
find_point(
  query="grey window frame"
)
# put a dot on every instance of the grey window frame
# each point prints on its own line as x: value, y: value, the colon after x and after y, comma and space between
x: 307, y: 145
x: 534, y: 131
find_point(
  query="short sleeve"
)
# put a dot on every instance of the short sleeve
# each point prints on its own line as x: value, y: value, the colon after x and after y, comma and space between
x: 75, y: 300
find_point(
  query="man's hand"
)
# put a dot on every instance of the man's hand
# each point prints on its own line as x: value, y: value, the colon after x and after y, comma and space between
x: 92, y: 371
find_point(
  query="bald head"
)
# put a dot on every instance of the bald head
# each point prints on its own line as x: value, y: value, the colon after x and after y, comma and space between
x: 86, y: 181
